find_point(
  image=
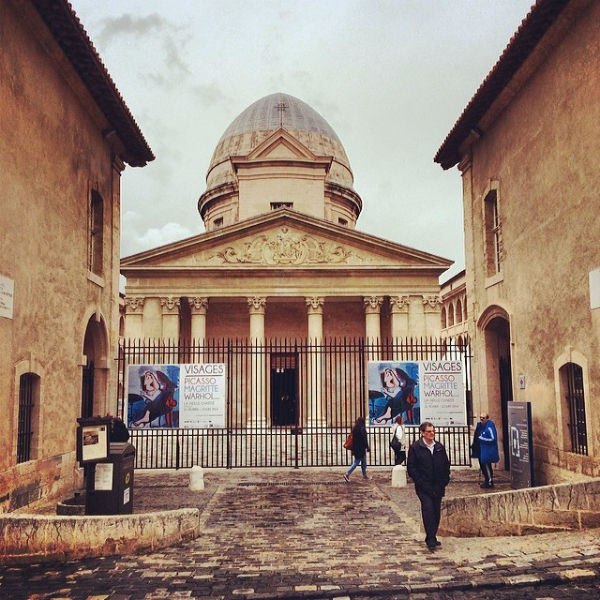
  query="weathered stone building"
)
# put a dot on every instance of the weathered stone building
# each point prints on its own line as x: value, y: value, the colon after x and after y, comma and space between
x: 66, y: 136
x: 527, y: 146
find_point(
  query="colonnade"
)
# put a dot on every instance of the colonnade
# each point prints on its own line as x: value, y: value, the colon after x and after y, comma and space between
x: 409, y: 315
x: 159, y: 317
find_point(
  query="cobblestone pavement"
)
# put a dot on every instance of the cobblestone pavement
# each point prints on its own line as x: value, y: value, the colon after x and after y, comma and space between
x: 307, y: 534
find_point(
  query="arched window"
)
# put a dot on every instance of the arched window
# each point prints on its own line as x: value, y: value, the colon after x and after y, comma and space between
x: 451, y: 315
x: 28, y: 409
x: 571, y: 381
x: 459, y: 317
x: 443, y: 317
x: 96, y: 233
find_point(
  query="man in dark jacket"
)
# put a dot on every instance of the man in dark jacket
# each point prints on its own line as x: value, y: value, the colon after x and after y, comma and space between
x: 429, y: 468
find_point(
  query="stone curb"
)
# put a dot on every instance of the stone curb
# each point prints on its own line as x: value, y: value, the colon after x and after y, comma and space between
x: 26, y: 539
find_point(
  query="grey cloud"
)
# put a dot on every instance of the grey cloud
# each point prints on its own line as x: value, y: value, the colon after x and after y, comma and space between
x: 133, y: 25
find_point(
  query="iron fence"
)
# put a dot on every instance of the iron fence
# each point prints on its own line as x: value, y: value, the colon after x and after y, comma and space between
x: 289, y: 403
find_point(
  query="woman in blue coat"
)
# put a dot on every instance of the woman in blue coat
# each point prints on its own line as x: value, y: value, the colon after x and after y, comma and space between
x: 487, y: 436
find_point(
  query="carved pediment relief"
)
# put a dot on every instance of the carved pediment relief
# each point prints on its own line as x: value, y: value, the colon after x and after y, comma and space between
x: 285, y: 247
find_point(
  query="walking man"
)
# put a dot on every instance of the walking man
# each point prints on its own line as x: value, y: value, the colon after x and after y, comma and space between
x: 429, y: 468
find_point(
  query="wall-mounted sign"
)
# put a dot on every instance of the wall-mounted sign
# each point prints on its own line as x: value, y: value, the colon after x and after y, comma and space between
x: 7, y: 292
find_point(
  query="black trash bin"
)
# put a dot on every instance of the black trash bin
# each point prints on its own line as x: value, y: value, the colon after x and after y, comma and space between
x: 110, y: 489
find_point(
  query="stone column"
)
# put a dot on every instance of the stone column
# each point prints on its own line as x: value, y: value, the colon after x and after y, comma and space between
x: 198, y: 310
x: 399, y: 312
x: 431, y: 305
x: 258, y: 379
x: 134, y: 317
x: 314, y: 309
x: 372, y: 306
x: 170, y: 318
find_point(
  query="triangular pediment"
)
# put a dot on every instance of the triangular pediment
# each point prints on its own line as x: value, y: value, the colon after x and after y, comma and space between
x: 287, y: 240
x: 281, y: 145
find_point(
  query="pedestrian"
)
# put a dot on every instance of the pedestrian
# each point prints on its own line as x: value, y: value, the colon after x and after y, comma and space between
x: 398, y: 441
x: 360, y: 447
x: 429, y: 468
x: 118, y: 429
x: 485, y: 444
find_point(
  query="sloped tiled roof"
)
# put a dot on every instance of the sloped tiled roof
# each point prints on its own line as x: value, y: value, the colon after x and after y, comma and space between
x: 532, y: 29
x: 74, y: 41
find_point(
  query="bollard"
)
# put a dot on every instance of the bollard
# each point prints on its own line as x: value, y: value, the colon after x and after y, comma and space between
x: 399, y: 476
x: 196, y: 478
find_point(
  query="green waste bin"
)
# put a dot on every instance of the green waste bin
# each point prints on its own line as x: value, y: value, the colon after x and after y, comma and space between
x: 110, y: 490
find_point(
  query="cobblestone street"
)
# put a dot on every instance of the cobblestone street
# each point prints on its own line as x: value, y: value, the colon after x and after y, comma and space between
x: 307, y: 534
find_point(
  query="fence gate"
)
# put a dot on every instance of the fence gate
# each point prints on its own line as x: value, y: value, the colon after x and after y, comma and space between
x: 288, y: 403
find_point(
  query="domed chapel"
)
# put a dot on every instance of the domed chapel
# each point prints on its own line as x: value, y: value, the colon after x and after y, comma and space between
x: 281, y: 256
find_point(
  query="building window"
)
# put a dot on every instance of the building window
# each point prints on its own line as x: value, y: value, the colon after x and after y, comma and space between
x: 451, y: 315
x: 493, y: 243
x: 218, y: 222
x: 572, y: 391
x: 443, y: 317
x: 342, y: 222
x: 459, y: 317
x: 276, y: 205
x: 96, y: 229
x: 28, y: 392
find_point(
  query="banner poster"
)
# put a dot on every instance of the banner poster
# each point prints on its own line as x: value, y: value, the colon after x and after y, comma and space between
x: 183, y: 395
x: 430, y: 390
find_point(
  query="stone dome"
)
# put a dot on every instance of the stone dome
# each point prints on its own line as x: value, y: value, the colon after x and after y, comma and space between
x: 265, y: 116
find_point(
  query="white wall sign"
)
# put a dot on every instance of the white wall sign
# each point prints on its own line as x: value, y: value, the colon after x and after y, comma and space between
x: 595, y: 288
x: 7, y: 292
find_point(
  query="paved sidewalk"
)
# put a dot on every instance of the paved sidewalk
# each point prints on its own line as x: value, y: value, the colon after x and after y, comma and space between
x: 306, y: 534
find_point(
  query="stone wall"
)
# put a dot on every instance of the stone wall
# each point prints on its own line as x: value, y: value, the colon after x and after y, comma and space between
x: 27, y: 538
x: 562, y: 507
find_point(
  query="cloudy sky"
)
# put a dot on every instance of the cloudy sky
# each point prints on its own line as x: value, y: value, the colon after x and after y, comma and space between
x: 390, y: 76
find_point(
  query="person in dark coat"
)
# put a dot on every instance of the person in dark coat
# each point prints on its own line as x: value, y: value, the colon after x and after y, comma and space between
x: 429, y: 468
x: 360, y: 447
x: 485, y: 448
x: 118, y: 430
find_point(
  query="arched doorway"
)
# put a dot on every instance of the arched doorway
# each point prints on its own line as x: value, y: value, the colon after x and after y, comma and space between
x: 495, y: 326
x: 94, y: 375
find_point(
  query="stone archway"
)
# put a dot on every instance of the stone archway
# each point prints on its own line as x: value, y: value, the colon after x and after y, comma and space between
x: 494, y: 324
x: 94, y: 368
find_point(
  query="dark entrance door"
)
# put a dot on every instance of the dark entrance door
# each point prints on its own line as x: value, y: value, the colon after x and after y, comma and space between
x: 87, y: 390
x: 284, y: 378
x: 505, y: 397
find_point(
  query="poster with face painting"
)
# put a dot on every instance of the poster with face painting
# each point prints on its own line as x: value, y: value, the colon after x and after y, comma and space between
x: 417, y: 391
x: 183, y: 396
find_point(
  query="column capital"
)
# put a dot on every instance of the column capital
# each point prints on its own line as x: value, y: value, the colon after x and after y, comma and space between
x: 314, y: 305
x: 399, y: 304
x: 432, y: 302
x: 134, y: 304
x: 169, y: 305
x: 198, y: 305
x: 256, y: 305
x: 372, y: 304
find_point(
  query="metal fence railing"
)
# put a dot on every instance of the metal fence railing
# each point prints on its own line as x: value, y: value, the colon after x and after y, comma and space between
x: 289, y: 403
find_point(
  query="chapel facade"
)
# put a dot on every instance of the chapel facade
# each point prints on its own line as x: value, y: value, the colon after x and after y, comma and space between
x: 281, y: 257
